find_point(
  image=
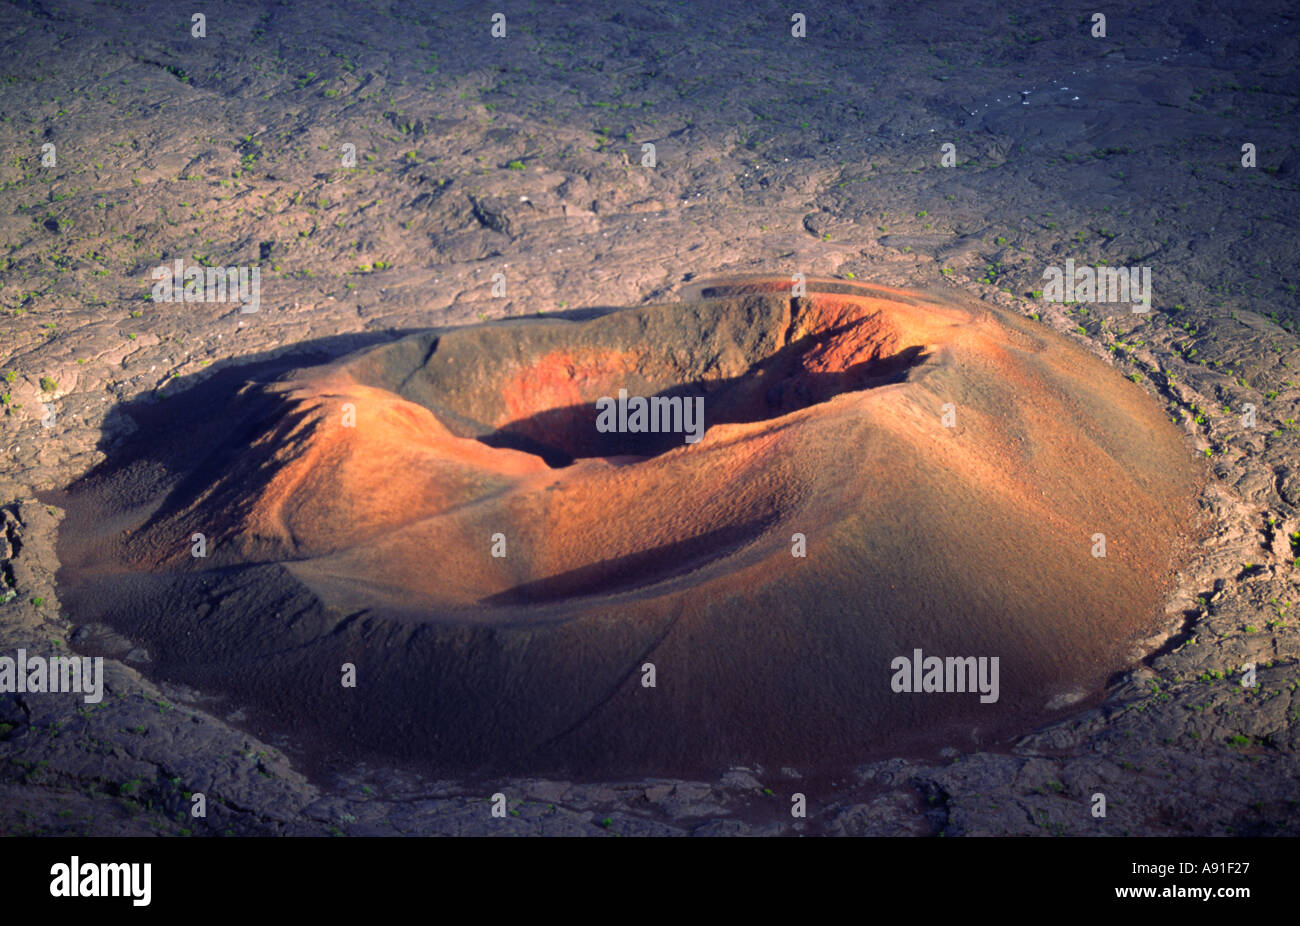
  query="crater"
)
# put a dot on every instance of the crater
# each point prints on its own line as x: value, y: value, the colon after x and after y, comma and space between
x: 519, y: 591
x: 534, y: 388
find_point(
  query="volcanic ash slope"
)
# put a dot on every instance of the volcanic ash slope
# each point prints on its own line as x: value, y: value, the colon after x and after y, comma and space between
x: 947, y: 466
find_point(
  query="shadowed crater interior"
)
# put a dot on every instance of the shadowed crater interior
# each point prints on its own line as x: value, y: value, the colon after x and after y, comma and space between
x: 877, y: 472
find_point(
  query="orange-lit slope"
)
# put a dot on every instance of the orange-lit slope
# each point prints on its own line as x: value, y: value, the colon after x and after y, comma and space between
x: 379, y: 483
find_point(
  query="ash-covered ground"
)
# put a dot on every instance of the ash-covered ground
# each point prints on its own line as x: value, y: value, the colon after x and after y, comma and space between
x: 130, y: 143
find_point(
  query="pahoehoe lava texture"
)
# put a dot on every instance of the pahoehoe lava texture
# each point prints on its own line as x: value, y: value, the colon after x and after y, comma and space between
x: 332, y: 543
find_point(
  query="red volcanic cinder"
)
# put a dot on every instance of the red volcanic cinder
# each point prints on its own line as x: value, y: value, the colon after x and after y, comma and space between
x: 441, y: 512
